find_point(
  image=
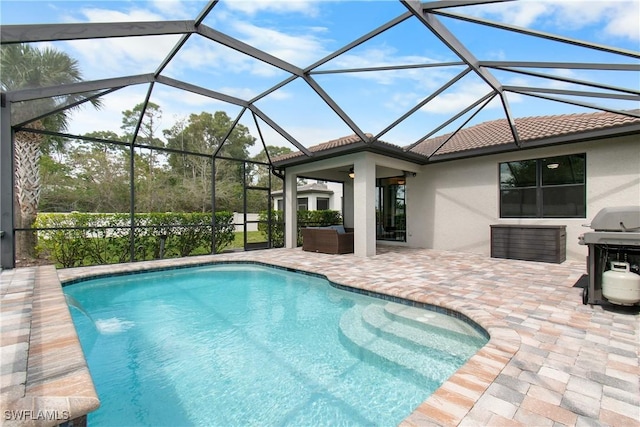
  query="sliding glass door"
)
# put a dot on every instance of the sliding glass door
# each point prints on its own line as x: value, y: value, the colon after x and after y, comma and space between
x: 391, y: 217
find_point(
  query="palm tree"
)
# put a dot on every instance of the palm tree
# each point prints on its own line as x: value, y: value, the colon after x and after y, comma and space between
x: 22, y: 67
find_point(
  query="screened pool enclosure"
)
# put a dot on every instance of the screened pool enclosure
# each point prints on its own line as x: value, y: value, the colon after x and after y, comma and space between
x: 134, y: 131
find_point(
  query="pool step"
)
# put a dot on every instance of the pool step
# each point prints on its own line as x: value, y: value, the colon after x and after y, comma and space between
x: 369, y: 346
x: 420, y: 316
x: 420, y: 329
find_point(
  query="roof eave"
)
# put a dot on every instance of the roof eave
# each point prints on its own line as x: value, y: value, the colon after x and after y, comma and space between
x: 421, y: 159
x: 384, y: 149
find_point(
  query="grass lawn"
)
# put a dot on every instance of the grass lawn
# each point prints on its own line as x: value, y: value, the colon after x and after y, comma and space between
x: 252, y: 237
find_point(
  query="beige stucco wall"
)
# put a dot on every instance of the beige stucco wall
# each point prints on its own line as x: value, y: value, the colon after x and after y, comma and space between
x: 451, y: 205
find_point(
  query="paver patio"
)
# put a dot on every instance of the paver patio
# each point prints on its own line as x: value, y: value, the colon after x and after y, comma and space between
x: 551, y: 360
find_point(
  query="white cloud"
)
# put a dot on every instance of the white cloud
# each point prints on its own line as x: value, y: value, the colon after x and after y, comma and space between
x: 625, y: 23
x: 121, y: 56
x: 176, y: 9
x: 280, y: 95
x: 239, y: 92
x: 451, y: 102
x: 401, y: 101
x: 522, y: 13
x: 102, y: 58
x: 110, y: 15
x: 559, y: 84
x: 182, y: 101
x: 109, y: 117
x: 619, y: 19
x: 307, y: 8
x: 384, y: 56
x: 298, y: 49
x: 210, y: 58
x: 154, y: 10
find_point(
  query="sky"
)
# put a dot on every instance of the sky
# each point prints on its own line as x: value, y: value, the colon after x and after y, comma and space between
x: 303, y: 32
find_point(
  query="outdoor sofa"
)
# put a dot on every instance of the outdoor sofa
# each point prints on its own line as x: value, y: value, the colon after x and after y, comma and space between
x: 334, y: 239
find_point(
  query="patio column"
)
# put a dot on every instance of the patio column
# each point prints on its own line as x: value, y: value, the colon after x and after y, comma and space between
x: 290, y: 204
x: 364, y: 206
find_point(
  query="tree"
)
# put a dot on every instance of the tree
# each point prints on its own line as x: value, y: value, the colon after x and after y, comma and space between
x: 262, y: 179
x: 23, y: 67
x: 102, y: 174
x: 148, y: 127
x: 204, y: 133
x: 149, y: 118
x: 84, y: 175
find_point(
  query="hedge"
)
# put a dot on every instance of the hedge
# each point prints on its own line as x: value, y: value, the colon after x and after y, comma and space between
x: 80, y: 239
x: 305, y: 219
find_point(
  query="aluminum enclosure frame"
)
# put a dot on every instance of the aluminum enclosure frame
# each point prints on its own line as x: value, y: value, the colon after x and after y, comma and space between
x: 428, y: 13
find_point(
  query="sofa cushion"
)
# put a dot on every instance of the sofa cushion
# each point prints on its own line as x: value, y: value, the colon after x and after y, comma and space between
x: 339, y: 228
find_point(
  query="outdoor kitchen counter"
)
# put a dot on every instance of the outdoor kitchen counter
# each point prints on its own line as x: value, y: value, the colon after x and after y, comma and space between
x: 44, y: 379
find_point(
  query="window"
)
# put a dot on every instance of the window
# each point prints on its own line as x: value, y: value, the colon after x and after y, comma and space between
x: 322, y: 204
x: 303, y: 203
x: 553, y: 187
x: 280, y: 204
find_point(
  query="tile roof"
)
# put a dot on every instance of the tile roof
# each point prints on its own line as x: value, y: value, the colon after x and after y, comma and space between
x: 497, y: 132
x: 334, y: 143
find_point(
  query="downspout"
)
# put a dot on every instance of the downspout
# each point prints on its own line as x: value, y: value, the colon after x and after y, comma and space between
x: 7, y: 224
x: 277, y: 173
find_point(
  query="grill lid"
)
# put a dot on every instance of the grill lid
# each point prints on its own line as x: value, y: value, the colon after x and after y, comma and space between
x: 621, y: 218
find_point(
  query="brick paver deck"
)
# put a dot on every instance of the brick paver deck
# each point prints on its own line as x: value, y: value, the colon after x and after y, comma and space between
x: 550, y: 361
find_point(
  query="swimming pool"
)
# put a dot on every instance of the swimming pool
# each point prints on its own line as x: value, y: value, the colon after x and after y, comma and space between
x: 233, y: 345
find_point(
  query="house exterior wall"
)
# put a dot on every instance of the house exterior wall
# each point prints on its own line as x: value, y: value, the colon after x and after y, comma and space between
x: 335, y: 199
x: 451, y: 205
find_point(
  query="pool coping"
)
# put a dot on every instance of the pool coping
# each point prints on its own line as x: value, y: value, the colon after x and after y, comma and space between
x: 45, y: 377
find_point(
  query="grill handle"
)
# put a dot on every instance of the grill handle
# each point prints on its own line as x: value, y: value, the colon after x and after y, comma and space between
x: 628, y: 229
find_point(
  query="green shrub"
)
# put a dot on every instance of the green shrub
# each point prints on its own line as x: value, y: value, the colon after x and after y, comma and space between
x: 305, y: 219
x: 90, y: 238
x: 277, y: 227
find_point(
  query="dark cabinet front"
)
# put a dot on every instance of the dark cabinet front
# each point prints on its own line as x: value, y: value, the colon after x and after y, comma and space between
x: 529, y: 242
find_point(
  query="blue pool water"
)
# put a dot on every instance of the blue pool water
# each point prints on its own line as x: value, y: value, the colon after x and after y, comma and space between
x: 248, y: 345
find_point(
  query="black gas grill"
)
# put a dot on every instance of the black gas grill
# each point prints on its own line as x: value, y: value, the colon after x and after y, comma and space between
x: 614, y: 243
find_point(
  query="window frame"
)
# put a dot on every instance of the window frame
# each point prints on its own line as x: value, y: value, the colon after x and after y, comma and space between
x: 303, y: 204
x: 326, y: 200
x: 397, y: 214
x: 539, y: 187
